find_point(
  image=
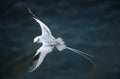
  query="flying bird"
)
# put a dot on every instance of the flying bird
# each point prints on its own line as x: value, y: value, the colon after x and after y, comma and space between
x: 49, y: 42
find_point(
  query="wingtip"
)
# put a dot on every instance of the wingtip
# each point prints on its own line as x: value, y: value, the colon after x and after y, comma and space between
x: 29, y: 10
x: 33, y: 15
x: 30, y: 70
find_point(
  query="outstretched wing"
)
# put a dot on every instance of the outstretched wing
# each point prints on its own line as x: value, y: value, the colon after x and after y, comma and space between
x: 39, y: 57
x: 36, y: 61
x: 44, y: 28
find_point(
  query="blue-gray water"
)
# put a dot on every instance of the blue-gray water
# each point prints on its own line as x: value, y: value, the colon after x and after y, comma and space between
x: 89, y: 25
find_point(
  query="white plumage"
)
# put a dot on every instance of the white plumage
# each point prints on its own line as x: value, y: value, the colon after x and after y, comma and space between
x: 48, y: 43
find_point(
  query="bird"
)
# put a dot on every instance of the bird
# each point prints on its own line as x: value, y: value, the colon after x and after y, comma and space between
x: 49, y: 42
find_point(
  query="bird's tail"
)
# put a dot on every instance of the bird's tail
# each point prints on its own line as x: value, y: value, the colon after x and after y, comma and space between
x: 83, y: 54
x: 60, y: 44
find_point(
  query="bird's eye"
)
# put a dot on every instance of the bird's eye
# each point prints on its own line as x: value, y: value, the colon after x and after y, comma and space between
x: 38, y: 39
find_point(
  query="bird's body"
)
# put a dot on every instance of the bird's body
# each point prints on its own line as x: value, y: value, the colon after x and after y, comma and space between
x: 47, y: 39
x: 48, y: 43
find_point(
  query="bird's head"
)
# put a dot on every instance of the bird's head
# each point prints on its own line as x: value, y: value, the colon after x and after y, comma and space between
x: 36, y: 40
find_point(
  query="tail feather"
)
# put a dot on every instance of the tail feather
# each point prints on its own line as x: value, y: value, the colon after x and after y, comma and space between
x: 60, y: 44
x: 83, y: 54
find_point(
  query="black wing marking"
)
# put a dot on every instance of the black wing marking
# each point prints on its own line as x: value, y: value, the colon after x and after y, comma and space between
x: 34, y: 62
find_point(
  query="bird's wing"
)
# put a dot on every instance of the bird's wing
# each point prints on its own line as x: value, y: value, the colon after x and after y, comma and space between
x: 39, y: 57
x: 44, y: 28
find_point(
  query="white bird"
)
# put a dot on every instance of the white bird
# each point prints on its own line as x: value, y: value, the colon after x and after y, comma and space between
x: 48, y: 43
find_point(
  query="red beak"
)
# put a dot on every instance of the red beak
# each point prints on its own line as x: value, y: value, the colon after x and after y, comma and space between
x: 33, y: 43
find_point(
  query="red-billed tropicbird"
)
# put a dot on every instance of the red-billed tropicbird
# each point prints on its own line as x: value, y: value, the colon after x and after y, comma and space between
x: 48, y: 43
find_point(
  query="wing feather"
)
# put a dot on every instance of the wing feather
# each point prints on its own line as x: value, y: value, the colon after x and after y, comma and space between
x: 44, y: 27
x: 36, y: 61
x: 39, y: 57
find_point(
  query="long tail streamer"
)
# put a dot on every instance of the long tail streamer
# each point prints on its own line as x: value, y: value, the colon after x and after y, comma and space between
x: 83, y: 54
